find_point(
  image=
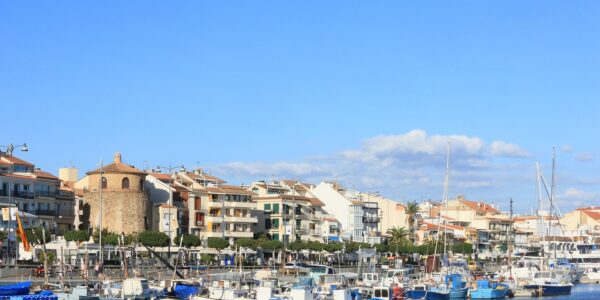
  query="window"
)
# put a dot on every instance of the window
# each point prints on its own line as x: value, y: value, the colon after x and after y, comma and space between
x: 267, y: 223
x: 275, y: 223
x: 276, y: 208
x: 125, y: 183
x: 275, y: 237
x: 104, y: 182
x: 141, y: 184
x: 267, y: 206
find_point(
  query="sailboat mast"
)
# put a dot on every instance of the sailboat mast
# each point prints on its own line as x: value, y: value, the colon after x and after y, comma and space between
x: 446, y: 179
x: 552, y: 186
x: 541, y: 220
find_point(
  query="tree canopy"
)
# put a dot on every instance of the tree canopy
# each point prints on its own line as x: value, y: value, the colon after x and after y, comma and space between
x: 217, y: 243
x: 77, y: 235
x: 189, y: 240
x: 153, y: 238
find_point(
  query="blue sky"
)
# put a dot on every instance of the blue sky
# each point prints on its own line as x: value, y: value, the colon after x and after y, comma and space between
x: 365, y: 92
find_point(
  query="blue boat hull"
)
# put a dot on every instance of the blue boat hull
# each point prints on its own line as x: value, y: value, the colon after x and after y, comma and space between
x: 16, y: 289
x: 489, y: 293
x: 550, y: 290
x: 428, y: 295
x: 459, y: 294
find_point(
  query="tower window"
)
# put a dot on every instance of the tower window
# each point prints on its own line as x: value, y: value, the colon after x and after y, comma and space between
x: 104, y: 183
x: 125, y: 183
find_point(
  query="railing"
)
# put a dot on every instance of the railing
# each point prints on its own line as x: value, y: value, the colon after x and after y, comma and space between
x: 370, y: 219
x: 45, y: 212
x: 199, y: 223
x: 23, y: 194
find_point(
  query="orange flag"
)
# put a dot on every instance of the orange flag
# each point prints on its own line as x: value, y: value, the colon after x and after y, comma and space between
x: 21, y: 232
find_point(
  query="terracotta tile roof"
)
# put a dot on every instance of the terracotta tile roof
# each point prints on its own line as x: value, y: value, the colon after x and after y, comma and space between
x: 228, y: 189
x: 330, y: 219
x: 42, y: 174
x: 592, y: 214
x: 285, y: 197
x: 479, y: 206
x: 526, y: 218
x: 205, y: 177
x: 161, y: 176
x: 11, y: 160
x: 117, y: 167
x: 430, y: 226
x: 164, y: 205
x: 316, y: 202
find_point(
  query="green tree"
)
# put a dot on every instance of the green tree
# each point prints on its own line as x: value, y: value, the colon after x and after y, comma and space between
x: 271, y: 245
x: 35, y: 236
x: 77, y: 236
x: 246, y: 243
x: 217, y: 243
x: 3, y: 235
x: 189, y: 240
x: 381, y: 248
x: 412, y: 208
x: 153, y: 239
x: 397, y: 235
x: 333, y: 247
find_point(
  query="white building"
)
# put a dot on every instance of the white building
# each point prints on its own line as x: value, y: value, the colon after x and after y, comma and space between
x: 358, y: 218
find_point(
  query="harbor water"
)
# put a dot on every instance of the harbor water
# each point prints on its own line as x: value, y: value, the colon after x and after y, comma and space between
x: 579, y: 292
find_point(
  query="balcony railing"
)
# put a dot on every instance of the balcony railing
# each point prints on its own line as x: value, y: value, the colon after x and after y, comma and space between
x: 370, y: 219
x: 45, y: 212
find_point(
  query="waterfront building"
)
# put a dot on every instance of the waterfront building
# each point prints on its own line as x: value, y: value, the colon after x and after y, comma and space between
x: 288, y: 211
x: 208, y: 207
x: 37, y: 194
x: 582, y: 221
x: 358, y: 218
x: 391, y: 214
x: 124, y: 202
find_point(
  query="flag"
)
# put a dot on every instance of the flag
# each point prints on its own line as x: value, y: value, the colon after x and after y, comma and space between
x: 21, y: 232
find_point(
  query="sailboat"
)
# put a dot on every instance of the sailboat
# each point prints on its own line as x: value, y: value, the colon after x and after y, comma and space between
x: 549, y: 282
x: 453, y: 286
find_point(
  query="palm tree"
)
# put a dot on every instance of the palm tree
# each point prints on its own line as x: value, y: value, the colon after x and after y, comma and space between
x: 397, y: 236
x: 411, y: 210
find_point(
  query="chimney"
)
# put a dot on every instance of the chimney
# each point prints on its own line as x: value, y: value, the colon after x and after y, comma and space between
x: 117, y: 157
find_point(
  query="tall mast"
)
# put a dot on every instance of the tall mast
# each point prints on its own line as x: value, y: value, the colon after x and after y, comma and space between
x: 541, y: 217
x: 446, y: 198
x: 552, y: 185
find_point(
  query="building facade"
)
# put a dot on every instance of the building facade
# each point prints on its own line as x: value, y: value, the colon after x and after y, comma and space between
x: 114, y: 198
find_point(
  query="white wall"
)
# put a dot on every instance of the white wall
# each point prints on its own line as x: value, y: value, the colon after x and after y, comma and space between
x: 335, y: 204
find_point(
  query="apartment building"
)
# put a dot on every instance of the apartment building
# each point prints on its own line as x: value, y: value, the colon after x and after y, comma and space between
x: 37, y: 194
x: 208, y: 207
x: 289, y: 212
x: 390, y: 213
x: 581, y: 221
x: 358, y: 217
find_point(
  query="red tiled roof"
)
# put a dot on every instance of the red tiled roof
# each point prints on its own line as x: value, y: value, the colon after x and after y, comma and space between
x: 42, y: 174
x: 228, y: 189
x: 161, y: 176
x: 479, y: 206
x: 117, y: 167
x: 204, y: 176
x: 592, y: 214
x: 316, y: 202
x: 17, y: 176
x: 589, y: 208
x: 11, y: 160
x: 430, y: 226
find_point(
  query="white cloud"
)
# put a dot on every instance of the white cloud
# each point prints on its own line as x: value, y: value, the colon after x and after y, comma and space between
x: 500, y: 148
x: 410, y: 164
x: 566, y: 148
x: 574, y: 193
x: 584, y: 156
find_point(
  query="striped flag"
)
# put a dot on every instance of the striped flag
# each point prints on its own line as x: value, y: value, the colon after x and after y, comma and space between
x: 21, y: 232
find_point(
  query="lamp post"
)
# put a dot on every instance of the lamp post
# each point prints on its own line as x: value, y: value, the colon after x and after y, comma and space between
x: 9, y: 150
x: 170, y: 169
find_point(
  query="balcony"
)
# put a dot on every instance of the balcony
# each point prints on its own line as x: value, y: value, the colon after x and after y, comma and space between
x: 315, y: 232
x: 370, y: 219
x: 45, y: 212
x: 23, y: 194
x: 240, y: 234
x: 199, y: 223
x: 231, y: 204
x: 241, y: 219
x: 213, y: 219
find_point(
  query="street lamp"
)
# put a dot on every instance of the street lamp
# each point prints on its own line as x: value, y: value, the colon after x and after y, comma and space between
x: 171, y: 170
x: 9, y: 150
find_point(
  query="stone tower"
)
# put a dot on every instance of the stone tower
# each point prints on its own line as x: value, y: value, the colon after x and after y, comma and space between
x: 124, y: 201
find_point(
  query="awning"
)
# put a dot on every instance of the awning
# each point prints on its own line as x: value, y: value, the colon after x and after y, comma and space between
x: 334, y: 238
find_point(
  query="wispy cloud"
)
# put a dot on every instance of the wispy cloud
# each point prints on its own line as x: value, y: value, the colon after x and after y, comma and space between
x: 500, y: 148
x: 566, y: 148
x: 404, y: 164
x: 584, y: 156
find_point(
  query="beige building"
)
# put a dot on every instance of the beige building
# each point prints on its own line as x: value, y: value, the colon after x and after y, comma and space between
x: 206, y: 206
x: 124, y: 201
x: 585, y: 220
x: 391, y: 213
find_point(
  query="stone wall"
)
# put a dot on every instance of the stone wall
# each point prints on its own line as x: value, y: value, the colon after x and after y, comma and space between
x: 123, y: 211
